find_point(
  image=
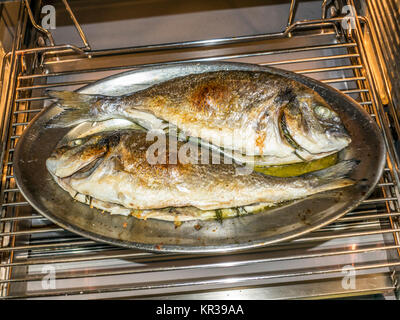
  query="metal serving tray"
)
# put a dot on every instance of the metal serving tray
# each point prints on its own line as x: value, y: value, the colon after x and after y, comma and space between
x: 271, y: 226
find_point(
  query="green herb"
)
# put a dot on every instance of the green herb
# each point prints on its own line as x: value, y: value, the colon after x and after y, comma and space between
x: 240, y: 211
x: 218, y: 215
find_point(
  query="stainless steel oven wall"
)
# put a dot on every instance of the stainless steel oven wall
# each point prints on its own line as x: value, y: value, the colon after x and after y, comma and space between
x: 8, y: 22
x: 384, y: 19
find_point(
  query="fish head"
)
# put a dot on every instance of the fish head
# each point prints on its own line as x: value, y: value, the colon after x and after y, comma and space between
x: 79, y: 154
x: 310, y: 124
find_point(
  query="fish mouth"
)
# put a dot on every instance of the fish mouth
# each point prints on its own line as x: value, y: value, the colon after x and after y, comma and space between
x: 59, y: 168
x: 51, y: 164
x: 338, y: 135
x: 87, y: 170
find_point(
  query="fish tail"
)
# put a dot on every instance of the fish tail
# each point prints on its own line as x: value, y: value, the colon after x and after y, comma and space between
x: 334, y: 177
x: 77, y: 108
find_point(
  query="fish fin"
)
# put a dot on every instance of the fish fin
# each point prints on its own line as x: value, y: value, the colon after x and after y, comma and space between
x: 336, y: 176
x: 77, y: 108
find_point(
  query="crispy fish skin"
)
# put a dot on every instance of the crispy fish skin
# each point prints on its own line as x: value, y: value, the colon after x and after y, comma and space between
x: 236, y: 110
x: 122, y: 175
x: 175, y: 214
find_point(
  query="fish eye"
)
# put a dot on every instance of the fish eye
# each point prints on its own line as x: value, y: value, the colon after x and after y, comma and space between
x: 76, y: 142
x: 324, y: 113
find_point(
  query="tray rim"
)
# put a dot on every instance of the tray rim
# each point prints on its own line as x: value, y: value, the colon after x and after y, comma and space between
x: 195, y: 249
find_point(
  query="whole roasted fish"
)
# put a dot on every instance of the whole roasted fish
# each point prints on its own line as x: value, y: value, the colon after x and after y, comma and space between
x: 111, y: 170
x: 255, y: 117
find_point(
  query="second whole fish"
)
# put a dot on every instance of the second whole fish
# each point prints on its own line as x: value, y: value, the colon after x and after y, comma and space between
x: 113, y: 170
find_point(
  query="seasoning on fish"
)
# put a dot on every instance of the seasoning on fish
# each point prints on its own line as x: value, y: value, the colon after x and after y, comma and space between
x: 254, y: 117
x: 112, y: 170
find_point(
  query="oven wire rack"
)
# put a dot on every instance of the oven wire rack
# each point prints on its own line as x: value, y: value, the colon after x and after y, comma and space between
x: 41, y: 260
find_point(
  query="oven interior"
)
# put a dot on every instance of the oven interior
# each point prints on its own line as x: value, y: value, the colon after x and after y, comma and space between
x: 342, y: 43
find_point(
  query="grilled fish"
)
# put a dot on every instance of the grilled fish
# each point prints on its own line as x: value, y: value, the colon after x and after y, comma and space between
x: 113, y: 170
x: 255, y: 117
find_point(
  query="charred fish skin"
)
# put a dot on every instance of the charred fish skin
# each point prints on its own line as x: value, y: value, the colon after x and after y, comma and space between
x: 235, y: 110
x: 123, y: 175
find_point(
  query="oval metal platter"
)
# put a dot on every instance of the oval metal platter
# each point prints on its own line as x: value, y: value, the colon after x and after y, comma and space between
x: 245, y: 232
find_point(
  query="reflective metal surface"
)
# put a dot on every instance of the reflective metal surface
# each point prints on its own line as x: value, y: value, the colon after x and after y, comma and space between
x: 283, y: 223
x: 310, y: 266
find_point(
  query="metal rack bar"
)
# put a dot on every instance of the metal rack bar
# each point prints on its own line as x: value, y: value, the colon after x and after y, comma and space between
x: 77, y: 25
x: 196, y: 282
x: 36, y: 26
x: 197, y: 266
x: 292, y: 11
x: 66, y: 48
x: 269, y: 52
